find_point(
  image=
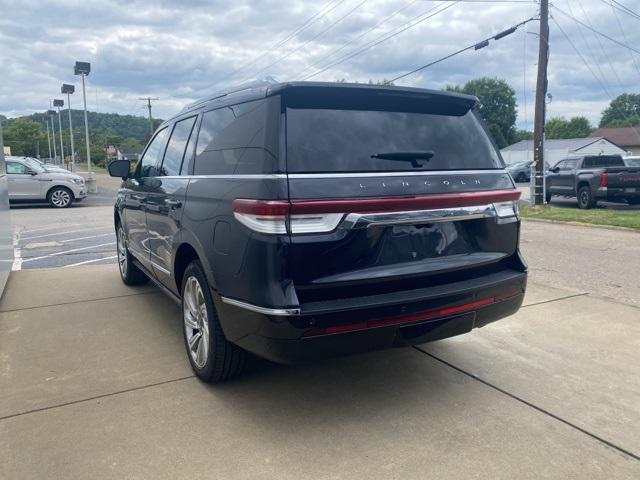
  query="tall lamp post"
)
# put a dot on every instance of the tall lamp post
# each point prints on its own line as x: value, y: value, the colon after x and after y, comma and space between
x: 60, y: 103
x: 51, y: 113
x: 69, y: 89
x: 83, y: 69
x: 46, y: 122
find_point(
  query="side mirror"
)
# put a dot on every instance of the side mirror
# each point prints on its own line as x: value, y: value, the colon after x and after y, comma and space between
x: 33, y: 172
x: 554, y: 169
x: 120, y: 168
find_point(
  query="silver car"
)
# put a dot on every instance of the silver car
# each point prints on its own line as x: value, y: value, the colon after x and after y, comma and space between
x: 28, y: 180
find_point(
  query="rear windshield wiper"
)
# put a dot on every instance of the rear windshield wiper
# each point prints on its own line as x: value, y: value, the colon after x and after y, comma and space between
x: 412, y: 157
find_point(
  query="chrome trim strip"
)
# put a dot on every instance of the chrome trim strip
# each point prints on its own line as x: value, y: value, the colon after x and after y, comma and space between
x: 282, y: 312
x: 396, y: 174
x: 272, y: 176
x: 265, y: 176
x: 365, y: 220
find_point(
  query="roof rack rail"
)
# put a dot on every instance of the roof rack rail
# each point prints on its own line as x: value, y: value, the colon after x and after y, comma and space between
x: 254, y: 84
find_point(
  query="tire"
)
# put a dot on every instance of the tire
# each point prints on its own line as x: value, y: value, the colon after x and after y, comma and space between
x: 585, y: 198
x: 60, y: 197
x: 212, y: 357
x: 634, y: 201
x: 547, y: 197
x: 129, y: 272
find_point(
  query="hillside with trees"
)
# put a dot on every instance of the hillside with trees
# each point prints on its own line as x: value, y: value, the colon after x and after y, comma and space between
x: 28, y: 135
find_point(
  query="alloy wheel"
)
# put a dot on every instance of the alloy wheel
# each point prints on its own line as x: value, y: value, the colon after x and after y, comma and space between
x: 60, y: 198
x: 122, y: 252
x: 196, y: 322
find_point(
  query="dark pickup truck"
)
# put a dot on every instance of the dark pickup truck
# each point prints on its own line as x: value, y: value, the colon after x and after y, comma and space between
x: 594, y: 177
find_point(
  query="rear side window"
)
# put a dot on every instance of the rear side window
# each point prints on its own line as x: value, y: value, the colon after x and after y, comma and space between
x: 176, y: 147
x: 151, y: 158
x: 239, y: 139
x: 603, y: 161
x: 332, y: 140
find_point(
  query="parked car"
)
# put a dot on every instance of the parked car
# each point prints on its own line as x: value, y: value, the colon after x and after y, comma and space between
x: 303, y: 220
x: 594, y: 177
x: 28, y: 181
x: 520, y: 171
x: 632, y: 161
x: 31, y: 160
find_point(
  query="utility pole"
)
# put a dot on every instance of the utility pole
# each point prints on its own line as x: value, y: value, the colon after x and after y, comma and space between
x: 48, y: 137
x: 149, y: 100
x: 541, y: 92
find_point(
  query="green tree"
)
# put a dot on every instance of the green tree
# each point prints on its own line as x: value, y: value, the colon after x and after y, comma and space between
x: 560, y: 127
x: 25, y: 137
x: 622, y: 109
x: 497, y: 106
x: 520, y: 135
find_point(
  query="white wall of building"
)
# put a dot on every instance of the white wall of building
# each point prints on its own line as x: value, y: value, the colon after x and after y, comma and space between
x: 554, y: 155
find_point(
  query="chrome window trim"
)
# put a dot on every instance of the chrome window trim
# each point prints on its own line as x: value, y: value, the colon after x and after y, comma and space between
x: 396, y: 174
x: 365, y: 220
x: 282, y: 312
x: 162, y: 269
x: 268, y: 176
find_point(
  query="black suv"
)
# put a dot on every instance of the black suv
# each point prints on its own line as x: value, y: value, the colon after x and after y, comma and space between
x: 300, y: 220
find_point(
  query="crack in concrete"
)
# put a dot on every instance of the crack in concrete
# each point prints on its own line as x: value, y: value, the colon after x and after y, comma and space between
x: 96, y: 397
x: 513, y: 396
x: 79, y: 301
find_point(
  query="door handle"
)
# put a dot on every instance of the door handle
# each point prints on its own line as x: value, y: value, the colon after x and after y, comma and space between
x: 140, y: 198
x: 173, y: 203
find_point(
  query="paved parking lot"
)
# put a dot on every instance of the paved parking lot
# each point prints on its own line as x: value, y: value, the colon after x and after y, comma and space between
x: 82, y: 234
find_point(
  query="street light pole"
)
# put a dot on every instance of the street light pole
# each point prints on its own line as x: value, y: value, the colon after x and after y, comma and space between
x: 83, y: 69
x: 69, y: 89
x: 60, y: 103
x: 46, y: 122
x: 51, y: 113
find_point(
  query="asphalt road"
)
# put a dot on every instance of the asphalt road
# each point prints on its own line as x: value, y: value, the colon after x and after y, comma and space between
x: 83, y: 234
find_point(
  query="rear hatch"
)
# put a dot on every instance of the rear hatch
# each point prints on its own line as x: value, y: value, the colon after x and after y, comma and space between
x: 391, y: 190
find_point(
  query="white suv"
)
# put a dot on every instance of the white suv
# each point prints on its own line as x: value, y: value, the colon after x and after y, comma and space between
x: 28, y: 180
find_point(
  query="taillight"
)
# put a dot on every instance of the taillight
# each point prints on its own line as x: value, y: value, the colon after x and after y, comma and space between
x: 604, y: 177
x: 272, y: 216
x: 324, y: 214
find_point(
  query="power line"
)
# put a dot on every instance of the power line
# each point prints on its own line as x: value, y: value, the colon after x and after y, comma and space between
x: 372, y: 44
x: 624, y: 36
x: 477, y: 46
x: 351, y: 42
x: 622, y: 114
x: 622, y: 8
x: 599, y: 40
x: 322, y: 32
x: 596, y: 31
x: 310, y: 21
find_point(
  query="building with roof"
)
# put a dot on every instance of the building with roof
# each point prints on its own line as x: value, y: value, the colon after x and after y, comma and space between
x: 625, y: 137
x: 556, y: 150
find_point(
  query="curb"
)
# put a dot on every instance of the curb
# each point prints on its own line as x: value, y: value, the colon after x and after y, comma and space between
x: 581, y: 224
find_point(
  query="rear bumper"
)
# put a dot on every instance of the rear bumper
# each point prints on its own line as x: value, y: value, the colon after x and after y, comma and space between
x: 615, y: 194
x: 377, y: 322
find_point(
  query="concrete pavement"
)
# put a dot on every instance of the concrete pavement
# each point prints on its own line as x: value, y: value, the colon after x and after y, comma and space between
x: 94, y: 383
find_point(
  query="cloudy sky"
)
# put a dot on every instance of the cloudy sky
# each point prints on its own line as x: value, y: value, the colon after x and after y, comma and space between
x: 178, y: 50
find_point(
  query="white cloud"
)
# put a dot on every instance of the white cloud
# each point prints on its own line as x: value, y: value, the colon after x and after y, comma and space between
x: 175, y: 50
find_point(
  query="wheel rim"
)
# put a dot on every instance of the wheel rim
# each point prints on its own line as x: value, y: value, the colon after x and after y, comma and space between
x: 60, y: 198
x: 584, y: 198
x: 122, y: 251
x: 196, y: 322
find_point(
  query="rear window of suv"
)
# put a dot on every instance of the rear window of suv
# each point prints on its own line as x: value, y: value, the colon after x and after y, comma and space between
x: 343, y: 140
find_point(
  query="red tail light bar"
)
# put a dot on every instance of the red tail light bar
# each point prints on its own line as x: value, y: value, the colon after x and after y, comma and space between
x: 604, y: 178
x: 324, y: 214
x: 373, y: 204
